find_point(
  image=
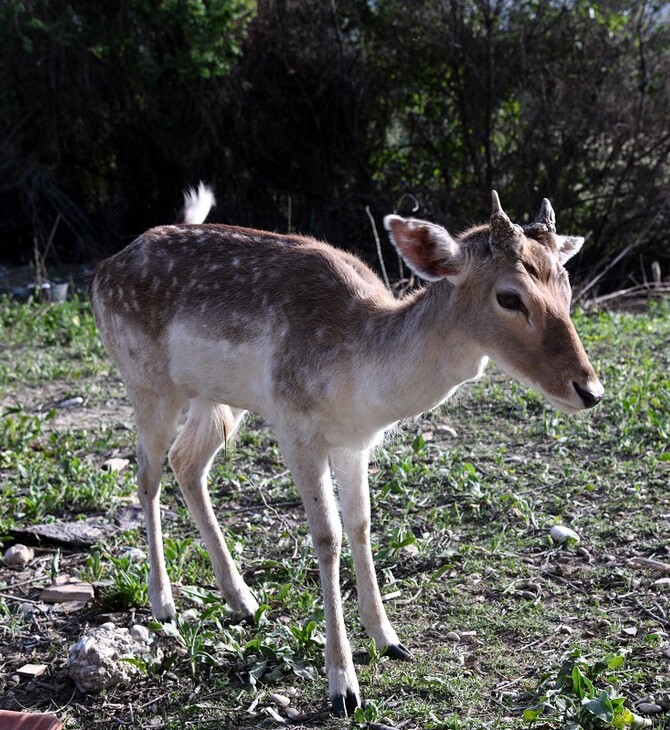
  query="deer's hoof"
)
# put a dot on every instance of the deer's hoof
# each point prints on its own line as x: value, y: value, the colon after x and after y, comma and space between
x: 398, y: 651
x: 344, y: 705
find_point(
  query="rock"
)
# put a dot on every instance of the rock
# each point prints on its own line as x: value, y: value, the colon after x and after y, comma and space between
x: 140, y: 633
x: 584, y: 553
x: 453, y: 636
x: 649, y: 708
x: 279, y: 700
x: 116, y: 464
x: 447, y: 430
x: 96, y: 661
x: 560, y: 534
x: 70, y: 402
x: 135, y: 554
x: 19, y: 555
x: 32, y: 670
x: 75, y: 591
x: 82, y: 533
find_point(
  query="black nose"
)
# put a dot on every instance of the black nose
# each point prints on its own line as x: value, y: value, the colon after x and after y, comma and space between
x: 589, y: 398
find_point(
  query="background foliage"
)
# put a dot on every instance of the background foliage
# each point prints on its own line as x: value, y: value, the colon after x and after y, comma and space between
x: 301, y: 114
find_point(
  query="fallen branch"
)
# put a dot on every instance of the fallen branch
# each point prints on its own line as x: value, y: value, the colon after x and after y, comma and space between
x: 649, y: 563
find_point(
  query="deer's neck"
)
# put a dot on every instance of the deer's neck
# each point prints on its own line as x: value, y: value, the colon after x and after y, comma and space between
x: 423, y: 351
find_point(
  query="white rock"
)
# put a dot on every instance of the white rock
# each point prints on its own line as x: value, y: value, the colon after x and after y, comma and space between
x: 19, y: 555
x: 95, y: 661
x: 140, y: 633
x: 134, y: 554
x: 70, y: 402
x: 560, y: 534
x: 116, y: 464
x: 279, y: 700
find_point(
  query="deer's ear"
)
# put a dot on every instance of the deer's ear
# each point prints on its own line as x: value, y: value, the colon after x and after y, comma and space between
x: 568, y: 246
x: 425, y: 247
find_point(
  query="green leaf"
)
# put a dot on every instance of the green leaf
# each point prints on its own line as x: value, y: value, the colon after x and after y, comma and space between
x: 601, y: 707
x: 531, y: 714
x: 419, y: 444
x: 304, y: 672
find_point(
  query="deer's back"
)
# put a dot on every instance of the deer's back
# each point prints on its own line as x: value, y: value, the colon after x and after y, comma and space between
x: 280, y: 313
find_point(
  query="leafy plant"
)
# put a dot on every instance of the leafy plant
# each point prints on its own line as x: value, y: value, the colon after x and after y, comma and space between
x: 585, y: 696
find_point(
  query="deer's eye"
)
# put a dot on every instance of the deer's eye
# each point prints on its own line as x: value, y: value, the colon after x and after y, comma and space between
x: 510, y: 300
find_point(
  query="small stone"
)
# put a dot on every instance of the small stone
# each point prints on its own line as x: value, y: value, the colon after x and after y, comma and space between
x: 279, y: 700
x: 116, y: 464
x: 77, y: 591
x: 453, y: 636
x: 448, y: 430
x: 649, y: 708
x: 630, y: 630
x: 560, y: 534
x: 584, y: 553
x: 19, y: 555
x: 32, y: 670
x: 70, y: 402
x: 275, y: 715
x: 140, y: 633
x: 135, y: 554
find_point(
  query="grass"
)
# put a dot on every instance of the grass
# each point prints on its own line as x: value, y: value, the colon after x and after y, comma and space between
x: 507, y: 629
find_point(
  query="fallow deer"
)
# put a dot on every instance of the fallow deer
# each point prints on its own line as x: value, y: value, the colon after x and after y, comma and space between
x: 223, y: 320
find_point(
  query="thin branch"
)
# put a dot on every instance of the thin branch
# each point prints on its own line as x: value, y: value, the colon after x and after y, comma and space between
x: 379, y: 247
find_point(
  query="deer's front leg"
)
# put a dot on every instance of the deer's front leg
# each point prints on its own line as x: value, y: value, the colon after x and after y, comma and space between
x: 309, y: 465
x: 350, y: 469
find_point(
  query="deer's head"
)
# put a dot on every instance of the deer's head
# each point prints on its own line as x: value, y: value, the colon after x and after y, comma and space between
x: 512, y: 296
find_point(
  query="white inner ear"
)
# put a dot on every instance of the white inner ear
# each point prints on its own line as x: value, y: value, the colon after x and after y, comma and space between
x: 568, y: 246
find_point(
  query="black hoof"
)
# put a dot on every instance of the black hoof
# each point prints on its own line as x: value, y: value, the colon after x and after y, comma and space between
x: 398, y: 651
x: 345, y: 706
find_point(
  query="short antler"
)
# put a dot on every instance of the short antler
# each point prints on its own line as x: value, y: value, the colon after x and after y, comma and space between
x: 545, y: 223
x: 546, y: 216
x: 504, y: 233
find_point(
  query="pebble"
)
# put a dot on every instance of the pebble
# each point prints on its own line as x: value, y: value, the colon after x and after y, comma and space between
x: 116, y: 464
x: 190, y: 615
x: 70, y: 402
x: 649, y: 708
x: 19, y: 555
x: 453, y: 636
x: 560, y: 534
x: 134, y: 554
x: 279, y: 700
x: 448, y: 430
x: 140, y: 633
x: 584, y: 553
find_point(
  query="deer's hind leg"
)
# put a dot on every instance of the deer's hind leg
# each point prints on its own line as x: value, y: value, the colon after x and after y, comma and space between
x: 156, y: 418
x: 207, y: 428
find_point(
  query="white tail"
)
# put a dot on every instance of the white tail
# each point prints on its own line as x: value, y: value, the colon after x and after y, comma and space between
x: 197, y: 204
x: 226, y: 319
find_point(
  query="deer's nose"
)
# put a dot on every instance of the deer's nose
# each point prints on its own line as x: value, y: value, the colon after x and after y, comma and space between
x: 591, y: 395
